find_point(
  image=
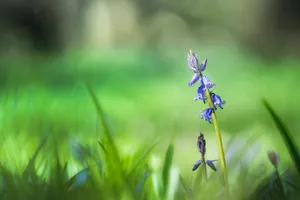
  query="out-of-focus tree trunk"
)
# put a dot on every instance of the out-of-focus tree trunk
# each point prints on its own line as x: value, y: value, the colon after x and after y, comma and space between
x: 39, y: 25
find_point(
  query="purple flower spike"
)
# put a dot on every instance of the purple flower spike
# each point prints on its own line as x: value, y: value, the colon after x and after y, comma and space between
x: 206, y: 114
x: 200, y: 94
x: 206, y: 82
x: 203, y: 65
x: 217, y: 101
x: 194, y: 79
x: 193, y: 62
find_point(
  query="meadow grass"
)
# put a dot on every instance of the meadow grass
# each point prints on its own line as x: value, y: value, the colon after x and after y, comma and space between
x: 132, y: 133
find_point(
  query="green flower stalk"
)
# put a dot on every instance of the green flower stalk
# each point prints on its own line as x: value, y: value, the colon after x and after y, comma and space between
x: 214, y: 101
x: 219, y: 140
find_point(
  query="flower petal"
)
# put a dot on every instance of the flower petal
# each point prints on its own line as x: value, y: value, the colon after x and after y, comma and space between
x: 206, y: 82
x: 206, y: 114
x: 196, y: 165
x: 195, y: 78
x: 200, y: 94
x: 203, y: 65
x: 211, y: 164
x: 217, y: 101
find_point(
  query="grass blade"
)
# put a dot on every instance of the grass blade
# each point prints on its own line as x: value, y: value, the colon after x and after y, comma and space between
x: 184, y: 186
x: 167, y: 169
x: 289, y: 142
x: 109, y: 145
x: 142, y: 157
x: 113, y: 164
x: 30, y: 170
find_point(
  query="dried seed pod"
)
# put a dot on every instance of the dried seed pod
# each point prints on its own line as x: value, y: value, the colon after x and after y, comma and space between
x: 201, y: 144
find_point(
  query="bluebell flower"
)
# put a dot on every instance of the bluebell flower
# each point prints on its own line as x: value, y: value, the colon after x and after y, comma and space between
x: 201, y: 144
x: 194, y: 79
x: 200, y: 94
x: 217, y: 101
x: 206, y: 114
x: 206, y: 82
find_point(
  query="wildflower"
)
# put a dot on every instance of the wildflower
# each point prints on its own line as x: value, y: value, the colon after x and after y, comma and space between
x: 200, y: 94
x: 217, y: 101
x: 193, y: 62
x: 196, y: 165
x: 194, y: 79
x: 206, y: 114
x: 201, y: 144
x: 274, y: 158
x: 211, y: 164
x: 206, y: 82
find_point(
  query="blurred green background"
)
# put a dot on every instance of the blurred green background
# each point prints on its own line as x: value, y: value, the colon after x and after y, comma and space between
x: 134, y: 53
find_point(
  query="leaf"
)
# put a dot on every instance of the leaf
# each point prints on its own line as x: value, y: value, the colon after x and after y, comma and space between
x: 109, y: 145
x: 100, y: 113
x: 113, y: 163
x: 184, y: 186
x: 102, y: 147
x: 29, y: 171
x: 141, y: 183
x: 237, y: 147
x: 167, y: 168
x: 287, y: 138
x: 143, y: 156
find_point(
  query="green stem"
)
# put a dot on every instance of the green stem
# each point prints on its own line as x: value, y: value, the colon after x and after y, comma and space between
x: 204, y: 168
x: 219, y: 140
x: 279, y: 182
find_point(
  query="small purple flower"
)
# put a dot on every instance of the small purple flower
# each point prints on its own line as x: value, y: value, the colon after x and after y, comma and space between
x: 193, y: 62
x: 211, y: 164
x: 194, y: 79
x: 206, y: 114
x: 206, y: 82
x: 217, y: 101
x: 200, y: 94
x: 203, y: 65
x: 196, y: 165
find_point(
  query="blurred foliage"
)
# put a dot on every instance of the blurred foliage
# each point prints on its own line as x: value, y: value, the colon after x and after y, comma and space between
x: 104, y: 170
x: 267, y: 28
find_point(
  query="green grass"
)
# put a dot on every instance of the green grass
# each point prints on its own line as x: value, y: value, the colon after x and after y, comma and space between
x: 149, y: 147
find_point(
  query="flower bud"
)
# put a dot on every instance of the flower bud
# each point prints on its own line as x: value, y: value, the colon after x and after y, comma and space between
x: 274, y: 158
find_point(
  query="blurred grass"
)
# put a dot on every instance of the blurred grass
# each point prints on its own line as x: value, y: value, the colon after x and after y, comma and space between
x: 145, y: 96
